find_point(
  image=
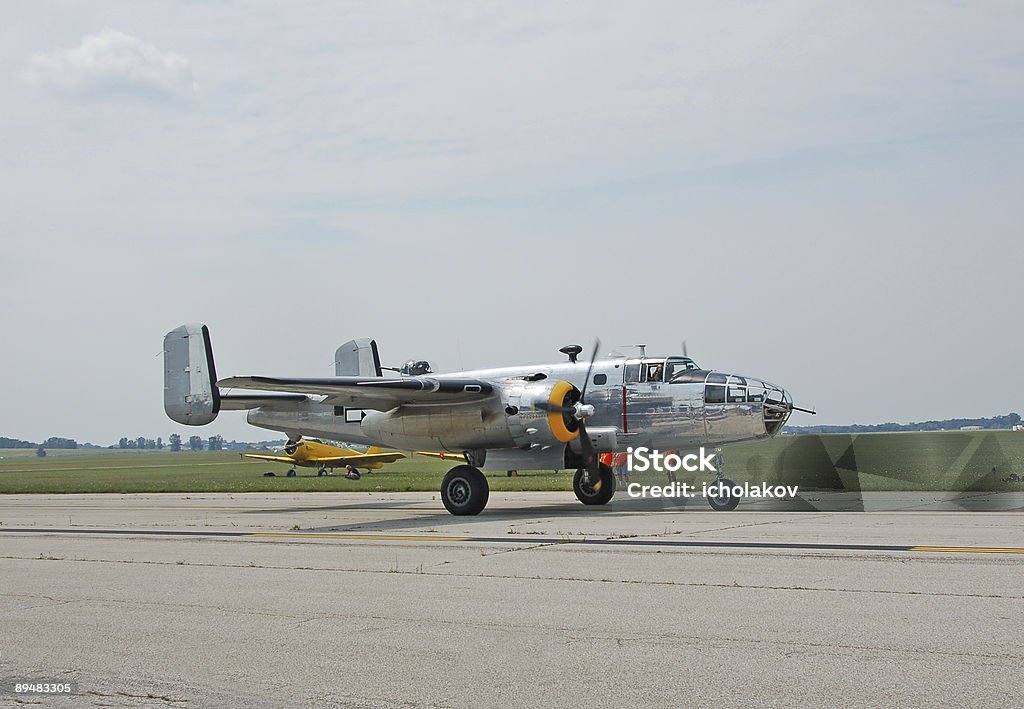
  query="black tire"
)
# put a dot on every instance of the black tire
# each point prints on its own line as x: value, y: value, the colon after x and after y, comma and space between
x: 464, y: 490
x: 322, y: 473
x: 290, y: 473
x: 587, y: 495
x: 724, y: 503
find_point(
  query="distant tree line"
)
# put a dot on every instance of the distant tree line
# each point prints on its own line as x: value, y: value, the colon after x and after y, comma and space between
x: 174, y: 444
x: 195, y: 443
x: 54, y: 442
x: 996, y: 422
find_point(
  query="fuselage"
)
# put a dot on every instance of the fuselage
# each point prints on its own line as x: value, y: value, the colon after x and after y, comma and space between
x: 660, y: 402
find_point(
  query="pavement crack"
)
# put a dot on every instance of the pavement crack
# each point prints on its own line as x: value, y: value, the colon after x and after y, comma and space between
x: 129, y: 695
x: 420, y: 571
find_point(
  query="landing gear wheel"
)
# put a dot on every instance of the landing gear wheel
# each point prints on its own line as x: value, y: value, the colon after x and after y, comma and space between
x: 290, y: 473
x: 322, y: 473
x: 586, y: 493
x: 725, y: 502
x: 464, y: 490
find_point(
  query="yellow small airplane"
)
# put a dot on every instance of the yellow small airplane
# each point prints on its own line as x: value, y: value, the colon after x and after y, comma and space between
x: 323, y: 456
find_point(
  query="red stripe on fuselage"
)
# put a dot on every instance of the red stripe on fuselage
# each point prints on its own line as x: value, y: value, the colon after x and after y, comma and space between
x: 625, y: 419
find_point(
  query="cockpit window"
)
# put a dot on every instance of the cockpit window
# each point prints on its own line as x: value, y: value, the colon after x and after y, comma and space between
x: 631, y: 373
x: 689, y: 376
x: 655, y: 371
x: 674, y: 366
x: 716, y: 378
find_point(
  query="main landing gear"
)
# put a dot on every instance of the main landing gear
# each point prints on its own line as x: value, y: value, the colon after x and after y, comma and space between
x: 464, y: 490
x: 588, y: 491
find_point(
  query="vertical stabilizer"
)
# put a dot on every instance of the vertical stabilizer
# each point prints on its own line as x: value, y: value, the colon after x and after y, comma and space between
x: 191, y: 395
x: 357, y: 358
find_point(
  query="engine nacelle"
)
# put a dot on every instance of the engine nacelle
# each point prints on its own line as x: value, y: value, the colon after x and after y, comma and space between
x: 511, y: 421
x: 530, y: 426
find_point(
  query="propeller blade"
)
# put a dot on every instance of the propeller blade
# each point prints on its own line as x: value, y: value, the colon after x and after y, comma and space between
x: 590, y: 461
x: 590, y: 368
x: 555, y: 408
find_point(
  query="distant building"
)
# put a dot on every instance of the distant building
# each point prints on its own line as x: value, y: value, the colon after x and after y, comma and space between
x: 1019, y: 427
x: 970, y: 428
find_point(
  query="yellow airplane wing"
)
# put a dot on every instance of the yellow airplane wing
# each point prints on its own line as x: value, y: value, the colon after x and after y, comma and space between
x: 275, y: 458
x: 442, y: 456
x: 357, y: 459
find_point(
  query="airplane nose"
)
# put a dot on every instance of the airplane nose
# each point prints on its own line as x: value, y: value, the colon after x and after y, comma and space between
x: 778, y: 405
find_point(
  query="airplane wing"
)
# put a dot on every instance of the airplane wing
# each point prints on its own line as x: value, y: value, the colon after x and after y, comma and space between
x: 275, y: 458
x: 372, y: 392
x: 442, y: 456
x: 358, y: 459
x: 242, y: 402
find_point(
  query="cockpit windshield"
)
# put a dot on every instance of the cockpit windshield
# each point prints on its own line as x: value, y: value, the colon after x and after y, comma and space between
x: 675, y: 366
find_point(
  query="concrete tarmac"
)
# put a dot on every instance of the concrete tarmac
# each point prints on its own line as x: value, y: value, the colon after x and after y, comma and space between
x: 381, y: 600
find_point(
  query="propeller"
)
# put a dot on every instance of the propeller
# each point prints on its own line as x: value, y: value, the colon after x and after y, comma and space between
x: 292, y: 445
x: 579, y: 411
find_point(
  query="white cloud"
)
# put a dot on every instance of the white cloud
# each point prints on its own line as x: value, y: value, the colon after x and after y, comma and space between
x: 111, y: 61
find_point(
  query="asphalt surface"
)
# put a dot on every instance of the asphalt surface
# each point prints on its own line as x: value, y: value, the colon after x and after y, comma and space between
x: 374, y: 600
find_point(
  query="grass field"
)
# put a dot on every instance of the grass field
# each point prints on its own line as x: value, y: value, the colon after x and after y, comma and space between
x: 155, y: 471
x: 957, y: 460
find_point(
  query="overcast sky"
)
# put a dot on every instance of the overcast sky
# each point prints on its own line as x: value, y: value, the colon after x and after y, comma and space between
x: 825, y: 195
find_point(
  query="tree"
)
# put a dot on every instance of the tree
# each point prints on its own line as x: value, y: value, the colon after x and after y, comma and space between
x: 195, y: 443
x: 140, y: 443
x: 216, y: 443
x: 41, y: 452
x: 58, y: 442
x: 175, y: 442
x: 159, y: 443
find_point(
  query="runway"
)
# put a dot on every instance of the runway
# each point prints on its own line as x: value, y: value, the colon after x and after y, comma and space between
x: 374, y: 600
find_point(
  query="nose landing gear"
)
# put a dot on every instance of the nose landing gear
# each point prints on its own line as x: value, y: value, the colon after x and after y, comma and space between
x: 720, y: 495
x: 591, y: 492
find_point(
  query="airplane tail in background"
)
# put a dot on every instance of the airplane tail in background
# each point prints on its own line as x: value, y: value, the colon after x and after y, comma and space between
x: 357, y: 358
x: 191, y: 396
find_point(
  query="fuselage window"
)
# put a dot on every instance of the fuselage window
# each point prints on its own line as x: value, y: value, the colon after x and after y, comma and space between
x: 755, y: 392
x: 714, y: 394
x: 737, y: 390
x: 632, y: 372
x: 655, y: 372
x: 600, y: 379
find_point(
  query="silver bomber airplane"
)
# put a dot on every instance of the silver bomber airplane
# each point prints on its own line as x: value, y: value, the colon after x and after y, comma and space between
x: 533, y: 417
